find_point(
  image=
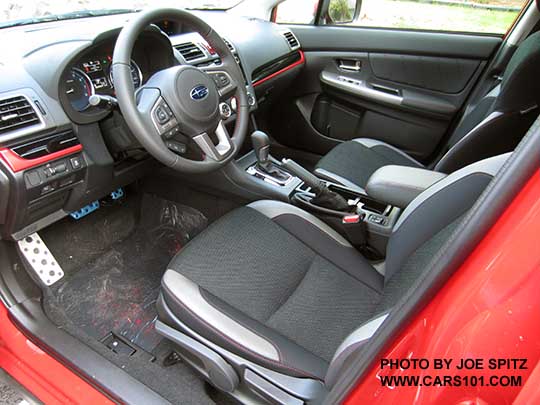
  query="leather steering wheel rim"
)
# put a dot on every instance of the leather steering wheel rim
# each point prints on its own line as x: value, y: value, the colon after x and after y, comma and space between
x: 138, y: 111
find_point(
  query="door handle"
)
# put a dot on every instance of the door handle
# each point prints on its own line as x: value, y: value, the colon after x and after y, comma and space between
x: 350, y: 65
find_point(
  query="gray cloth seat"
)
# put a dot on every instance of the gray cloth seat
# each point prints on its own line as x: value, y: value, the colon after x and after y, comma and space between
x: 493, y: 126
x: 276, y: 286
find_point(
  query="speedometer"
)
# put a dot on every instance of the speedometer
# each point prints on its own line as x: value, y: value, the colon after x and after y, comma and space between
x: 78, y: 88
x: 136, y: 75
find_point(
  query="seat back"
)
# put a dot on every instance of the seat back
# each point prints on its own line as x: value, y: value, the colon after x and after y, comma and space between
x: 500, y: 120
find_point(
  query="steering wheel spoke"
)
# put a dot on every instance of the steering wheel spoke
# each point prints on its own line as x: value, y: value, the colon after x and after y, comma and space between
x: 217, y: 152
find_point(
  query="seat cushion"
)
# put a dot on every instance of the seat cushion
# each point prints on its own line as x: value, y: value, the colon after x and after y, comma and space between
x: 273, y: 284
x: 355, y: 161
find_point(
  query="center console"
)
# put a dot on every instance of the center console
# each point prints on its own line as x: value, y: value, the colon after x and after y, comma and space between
x: 366, y: 222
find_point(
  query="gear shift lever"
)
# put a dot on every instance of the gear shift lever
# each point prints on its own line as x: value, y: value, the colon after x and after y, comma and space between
x: 261, y: 146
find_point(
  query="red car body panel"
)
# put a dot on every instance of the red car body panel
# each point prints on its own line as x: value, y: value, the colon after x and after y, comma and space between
x: 488, y: 309
x: 42, y: 375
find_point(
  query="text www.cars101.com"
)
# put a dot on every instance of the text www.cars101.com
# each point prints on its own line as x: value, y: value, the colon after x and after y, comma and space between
x: 451, y: 381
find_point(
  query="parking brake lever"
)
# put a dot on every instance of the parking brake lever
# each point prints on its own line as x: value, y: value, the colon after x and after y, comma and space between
x: 316, y: 184
x: 324, y: 197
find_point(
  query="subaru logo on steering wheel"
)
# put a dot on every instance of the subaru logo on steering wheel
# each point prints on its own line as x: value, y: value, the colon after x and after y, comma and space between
x: 199, y: 92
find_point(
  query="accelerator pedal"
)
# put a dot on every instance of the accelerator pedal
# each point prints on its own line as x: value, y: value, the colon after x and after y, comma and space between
x: 40, y: 259
x: 84, y: 211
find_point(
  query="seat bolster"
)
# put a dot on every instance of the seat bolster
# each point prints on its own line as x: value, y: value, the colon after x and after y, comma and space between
x: 228, y: 327
x: 322, y: 239
x: 355, y: 341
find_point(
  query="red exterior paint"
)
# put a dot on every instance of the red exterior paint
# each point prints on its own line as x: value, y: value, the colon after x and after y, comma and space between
x: 299, y: 62
x: 488, y: 309
x: 39, y: 373
x: 17, y: 163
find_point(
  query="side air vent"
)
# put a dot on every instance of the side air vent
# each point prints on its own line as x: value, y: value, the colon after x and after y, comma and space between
x: 229, y: 44
x: 291, y: 39
x: 17, y: 113
x: 190, y: 51
x: 46, y: 145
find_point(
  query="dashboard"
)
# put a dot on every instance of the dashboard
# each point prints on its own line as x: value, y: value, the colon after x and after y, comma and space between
x: 58, y: 151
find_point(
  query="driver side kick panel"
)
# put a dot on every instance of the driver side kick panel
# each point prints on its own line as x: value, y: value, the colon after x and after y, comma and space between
x: 400, y: 87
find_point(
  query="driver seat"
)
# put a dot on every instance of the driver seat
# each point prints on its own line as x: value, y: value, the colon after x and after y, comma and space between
x: 269, y: 302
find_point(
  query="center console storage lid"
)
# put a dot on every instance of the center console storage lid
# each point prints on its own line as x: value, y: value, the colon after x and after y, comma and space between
x: 399, y: 185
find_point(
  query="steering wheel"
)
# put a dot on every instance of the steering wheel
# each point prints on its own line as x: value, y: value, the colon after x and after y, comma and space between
x: 181, y: 99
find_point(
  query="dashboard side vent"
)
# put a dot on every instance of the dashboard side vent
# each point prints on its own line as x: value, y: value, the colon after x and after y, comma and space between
x: 17, y: 113
x: 190, y: 51
x: 291, y: 40
x: 229, y: 45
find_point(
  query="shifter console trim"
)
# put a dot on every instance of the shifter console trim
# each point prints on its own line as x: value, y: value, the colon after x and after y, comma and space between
x: 256, y: 172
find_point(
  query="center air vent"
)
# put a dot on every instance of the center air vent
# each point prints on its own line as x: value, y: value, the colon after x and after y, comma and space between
x: 190, y: 51
x: 291, y: 39
x: 16, y: 113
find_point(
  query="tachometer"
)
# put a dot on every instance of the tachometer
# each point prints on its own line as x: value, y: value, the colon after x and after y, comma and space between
x: 136, y: 75
x: 79, y: 88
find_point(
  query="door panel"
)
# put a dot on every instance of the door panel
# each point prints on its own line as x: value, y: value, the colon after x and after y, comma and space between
x: 447, y: 75
x: 401, y: 87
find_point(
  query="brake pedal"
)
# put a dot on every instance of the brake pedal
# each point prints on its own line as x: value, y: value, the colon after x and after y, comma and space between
x: 40, y: 259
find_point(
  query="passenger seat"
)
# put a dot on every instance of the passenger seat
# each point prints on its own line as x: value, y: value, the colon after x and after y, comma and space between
x: 494, y: 126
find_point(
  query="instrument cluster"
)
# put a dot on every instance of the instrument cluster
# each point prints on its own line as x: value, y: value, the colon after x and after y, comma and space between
x: 94, y: 76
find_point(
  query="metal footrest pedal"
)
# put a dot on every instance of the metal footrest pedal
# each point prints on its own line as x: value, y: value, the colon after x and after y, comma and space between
x: 40, y: 259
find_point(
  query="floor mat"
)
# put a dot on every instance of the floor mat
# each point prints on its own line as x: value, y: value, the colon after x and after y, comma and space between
x: 116, y: 292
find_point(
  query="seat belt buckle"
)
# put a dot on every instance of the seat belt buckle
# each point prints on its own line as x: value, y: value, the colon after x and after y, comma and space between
x: 351, y: 219
x: 355, y: 229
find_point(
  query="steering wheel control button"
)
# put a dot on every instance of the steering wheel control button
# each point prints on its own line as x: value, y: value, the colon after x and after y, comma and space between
x: 172, y: 132
x: 176, y: 147
x: 225, y: 110
x: 162, y: 115
x: 221, y: 79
